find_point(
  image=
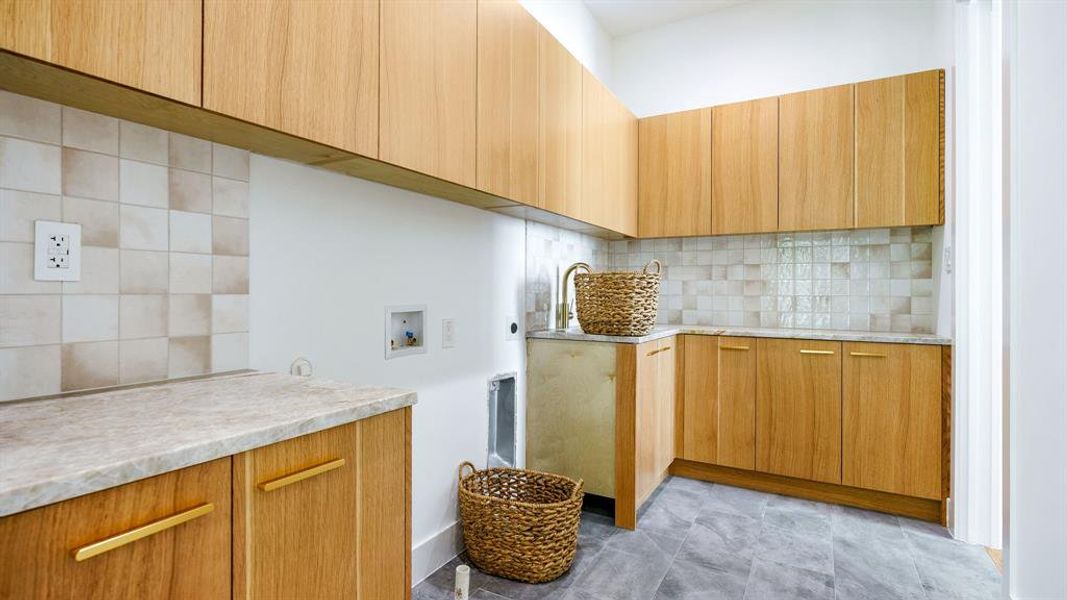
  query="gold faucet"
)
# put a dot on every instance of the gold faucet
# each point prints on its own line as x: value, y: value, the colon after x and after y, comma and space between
x: 563, y: 309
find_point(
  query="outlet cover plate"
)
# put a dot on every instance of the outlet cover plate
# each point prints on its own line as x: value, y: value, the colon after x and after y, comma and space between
x: 57, y: 251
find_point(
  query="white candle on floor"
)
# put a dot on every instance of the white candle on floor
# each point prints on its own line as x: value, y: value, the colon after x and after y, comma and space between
x: 463, y: 582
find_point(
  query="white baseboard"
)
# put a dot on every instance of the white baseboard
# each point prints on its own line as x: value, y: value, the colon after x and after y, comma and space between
x: 435, y: 551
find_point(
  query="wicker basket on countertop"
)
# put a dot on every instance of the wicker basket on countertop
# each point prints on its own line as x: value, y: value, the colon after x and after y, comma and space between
x: 618, y: 302
x: 519, y: 524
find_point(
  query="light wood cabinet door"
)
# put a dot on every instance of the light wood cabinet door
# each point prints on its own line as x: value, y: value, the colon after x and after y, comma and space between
x: 674, y: 182
x: 324, y: 512
x: 188, y: 557
x: 892, y: 418
x: 719, y: 401
x: 508, y: 100
x: 305, y: 68
x: 899, y: 150
x: 798, y: 409
x: 654, y: 423
x: 815, y: 154
x: 559, y: 157
x: 744, y: 167
x: 609, y: 180
x: 429, y: 59
x: 146, y: 44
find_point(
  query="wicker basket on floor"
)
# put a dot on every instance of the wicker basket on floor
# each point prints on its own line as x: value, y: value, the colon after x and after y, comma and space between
x: 519, y: 524
x: 618, y: 302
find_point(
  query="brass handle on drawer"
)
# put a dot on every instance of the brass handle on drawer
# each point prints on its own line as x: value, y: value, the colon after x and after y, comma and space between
x: 273, y: 484
x: 724, y: 347
x: 664, y: 349
x: 867, y: 354
x: 657, y: 351
x: 821, y: 352
x: 128, y: 537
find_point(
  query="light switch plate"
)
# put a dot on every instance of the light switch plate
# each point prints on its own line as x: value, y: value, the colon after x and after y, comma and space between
x: 57, y: 251
x: 448, y: 333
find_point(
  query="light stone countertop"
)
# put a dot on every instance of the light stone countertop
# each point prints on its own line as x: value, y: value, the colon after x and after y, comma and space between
x: 59, y: 448
x: 662, y: 331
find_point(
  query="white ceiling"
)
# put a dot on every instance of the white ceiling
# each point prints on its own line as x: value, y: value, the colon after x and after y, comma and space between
x: 623, y: 17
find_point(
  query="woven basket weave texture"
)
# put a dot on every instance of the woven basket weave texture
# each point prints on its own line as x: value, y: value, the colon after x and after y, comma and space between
x: 519, y: 524
x: 618, y: 302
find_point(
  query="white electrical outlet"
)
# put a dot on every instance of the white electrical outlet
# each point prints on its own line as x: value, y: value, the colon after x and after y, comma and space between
x: 448, y: 333
x: 57, y: 251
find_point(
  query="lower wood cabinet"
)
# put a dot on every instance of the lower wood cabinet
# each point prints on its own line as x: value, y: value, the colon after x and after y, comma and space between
x: 654, y: 414
x: 892, y: 418
x: 84, y: 548
x: 324, y: 515
x: 318, y: 514
x: 798, y: 409
x: 718, y: 401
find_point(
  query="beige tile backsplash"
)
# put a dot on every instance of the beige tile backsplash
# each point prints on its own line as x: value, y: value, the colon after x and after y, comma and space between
x: 164, y: 287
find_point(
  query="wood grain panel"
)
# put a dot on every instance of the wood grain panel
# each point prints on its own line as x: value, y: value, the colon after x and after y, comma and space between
x: 306, y: 68
x: 924, y: 143
x: 908, y: 506
x: 674, y: 180
x: 560, y: 142
x: 429, y: 58
x: 146, y: 44
x: 299, y: 537
x: 815, y: 154
x: 798, y: 409
x: 744, y: 167
x: 627, y: 176
x: 626, y: 390
x: 191, y: 560
x: 946, y: 430
x: 700, y: 430
x: 736, y: 440
x: 508, y: 100
x: 880, y: 150
x: 608, y: 171
x: 891, y: 413
x: 384, y: 507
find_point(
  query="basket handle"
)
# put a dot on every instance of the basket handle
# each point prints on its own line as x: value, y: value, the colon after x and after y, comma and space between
x: 659, y: 266
x: 466, y: 464
x: 577, y: 491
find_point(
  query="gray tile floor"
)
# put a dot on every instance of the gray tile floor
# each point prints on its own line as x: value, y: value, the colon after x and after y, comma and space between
x: 699, y: 540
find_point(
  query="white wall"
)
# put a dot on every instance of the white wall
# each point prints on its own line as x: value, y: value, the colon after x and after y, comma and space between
x: 1037, y: 532
x: 330, y: 252
x: 757, y: 49
x: 570, y: 22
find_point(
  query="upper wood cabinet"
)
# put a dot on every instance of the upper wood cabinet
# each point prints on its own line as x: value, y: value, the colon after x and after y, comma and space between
x: 815, y: 154
x: 508, y: 101
x: 324, y: 512
x: 609, y: 171
x: 744, y: 167
x: 674, y: 181
x: 305, y: 68
x: 146, y: 44
x: 53, y: 551
x: 892, y: 418
x: 798, y: 409
x: 899, y: 150
x: 559, y: 156
x: 429, y: 87
x: 719, y: 401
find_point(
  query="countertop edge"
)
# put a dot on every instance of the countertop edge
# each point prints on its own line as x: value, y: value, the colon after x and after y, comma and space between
x: 577, y: 335
x: 17, y: 500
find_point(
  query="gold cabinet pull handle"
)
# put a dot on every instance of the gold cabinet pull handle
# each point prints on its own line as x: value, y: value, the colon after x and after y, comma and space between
x: 867, y: 354
x: 820, y: 352
x: 655, y: 352
x: 725, y: 347
x: 664, y: 349
x: 128, y: 537
x: 273, y: 484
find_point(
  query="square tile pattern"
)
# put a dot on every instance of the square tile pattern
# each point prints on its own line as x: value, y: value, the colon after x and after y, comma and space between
x: 868, y: 280
x: 697, y: 540
x: 164, y: 288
